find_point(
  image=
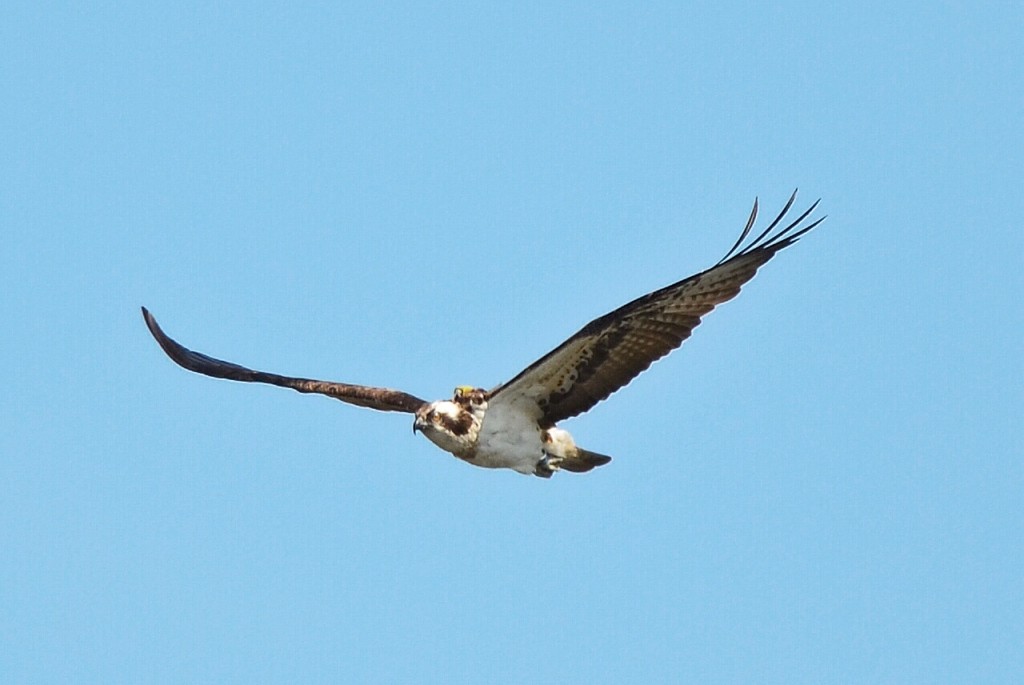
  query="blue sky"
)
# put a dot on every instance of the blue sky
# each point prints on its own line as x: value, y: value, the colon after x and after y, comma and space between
x: 823, y: 486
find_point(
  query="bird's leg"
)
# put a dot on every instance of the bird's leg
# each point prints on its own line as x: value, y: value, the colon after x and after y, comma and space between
x: 548, y: 465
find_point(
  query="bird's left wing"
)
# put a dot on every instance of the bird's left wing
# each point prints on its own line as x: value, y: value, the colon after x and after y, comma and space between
x: 382, y: 399
x: 610, y: 351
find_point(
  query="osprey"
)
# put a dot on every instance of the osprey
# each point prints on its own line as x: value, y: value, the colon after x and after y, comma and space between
x: 515, y: 424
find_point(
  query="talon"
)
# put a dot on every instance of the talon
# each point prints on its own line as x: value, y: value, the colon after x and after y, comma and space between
x: 548, y: 465
x: 553, y: 463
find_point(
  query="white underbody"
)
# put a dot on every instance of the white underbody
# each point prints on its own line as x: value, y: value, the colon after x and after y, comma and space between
x: 509, y: 439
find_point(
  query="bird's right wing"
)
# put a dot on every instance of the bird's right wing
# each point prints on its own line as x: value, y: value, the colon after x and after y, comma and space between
x: 382, y: 399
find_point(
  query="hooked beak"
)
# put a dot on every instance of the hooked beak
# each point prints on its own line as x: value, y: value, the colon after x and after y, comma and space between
x: 419, y: 424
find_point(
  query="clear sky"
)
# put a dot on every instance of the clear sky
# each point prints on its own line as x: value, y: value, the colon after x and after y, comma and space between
x: 824, y: 485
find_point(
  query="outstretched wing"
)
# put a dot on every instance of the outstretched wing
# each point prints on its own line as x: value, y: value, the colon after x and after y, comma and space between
x: 361, y: 395
x: 609, y: 352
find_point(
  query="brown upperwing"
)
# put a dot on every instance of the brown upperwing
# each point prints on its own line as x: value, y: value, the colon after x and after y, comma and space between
x: 610, y: 351
x: 383, y: 399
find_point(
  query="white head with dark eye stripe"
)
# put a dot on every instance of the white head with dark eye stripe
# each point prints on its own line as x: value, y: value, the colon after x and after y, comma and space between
x: 450, y: 425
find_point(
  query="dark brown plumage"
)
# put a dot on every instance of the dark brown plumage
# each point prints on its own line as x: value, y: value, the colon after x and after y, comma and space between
x: 610, y: 351
x: 382, y: 399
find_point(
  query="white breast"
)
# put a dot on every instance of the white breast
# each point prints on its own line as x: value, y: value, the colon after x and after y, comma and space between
x: 509, y: 437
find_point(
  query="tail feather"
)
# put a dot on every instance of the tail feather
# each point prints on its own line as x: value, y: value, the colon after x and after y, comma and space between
x: 584, y: 461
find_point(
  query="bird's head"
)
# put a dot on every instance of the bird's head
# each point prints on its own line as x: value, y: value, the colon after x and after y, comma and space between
x: 450, y: 424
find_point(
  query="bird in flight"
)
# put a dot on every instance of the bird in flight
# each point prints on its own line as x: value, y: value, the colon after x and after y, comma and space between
x: 514, y: 425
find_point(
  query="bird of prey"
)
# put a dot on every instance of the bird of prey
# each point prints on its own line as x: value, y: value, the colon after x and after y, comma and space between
x: 514, y: 425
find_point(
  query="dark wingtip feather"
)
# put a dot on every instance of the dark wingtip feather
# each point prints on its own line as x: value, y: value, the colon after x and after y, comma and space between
x: 746, y: 231
x: 154, y: 329
x: 772, y: 238
x: 169, y: 346
x: 179, y: 354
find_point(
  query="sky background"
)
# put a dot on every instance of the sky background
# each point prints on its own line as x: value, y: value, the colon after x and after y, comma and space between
x: 825, y: 485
